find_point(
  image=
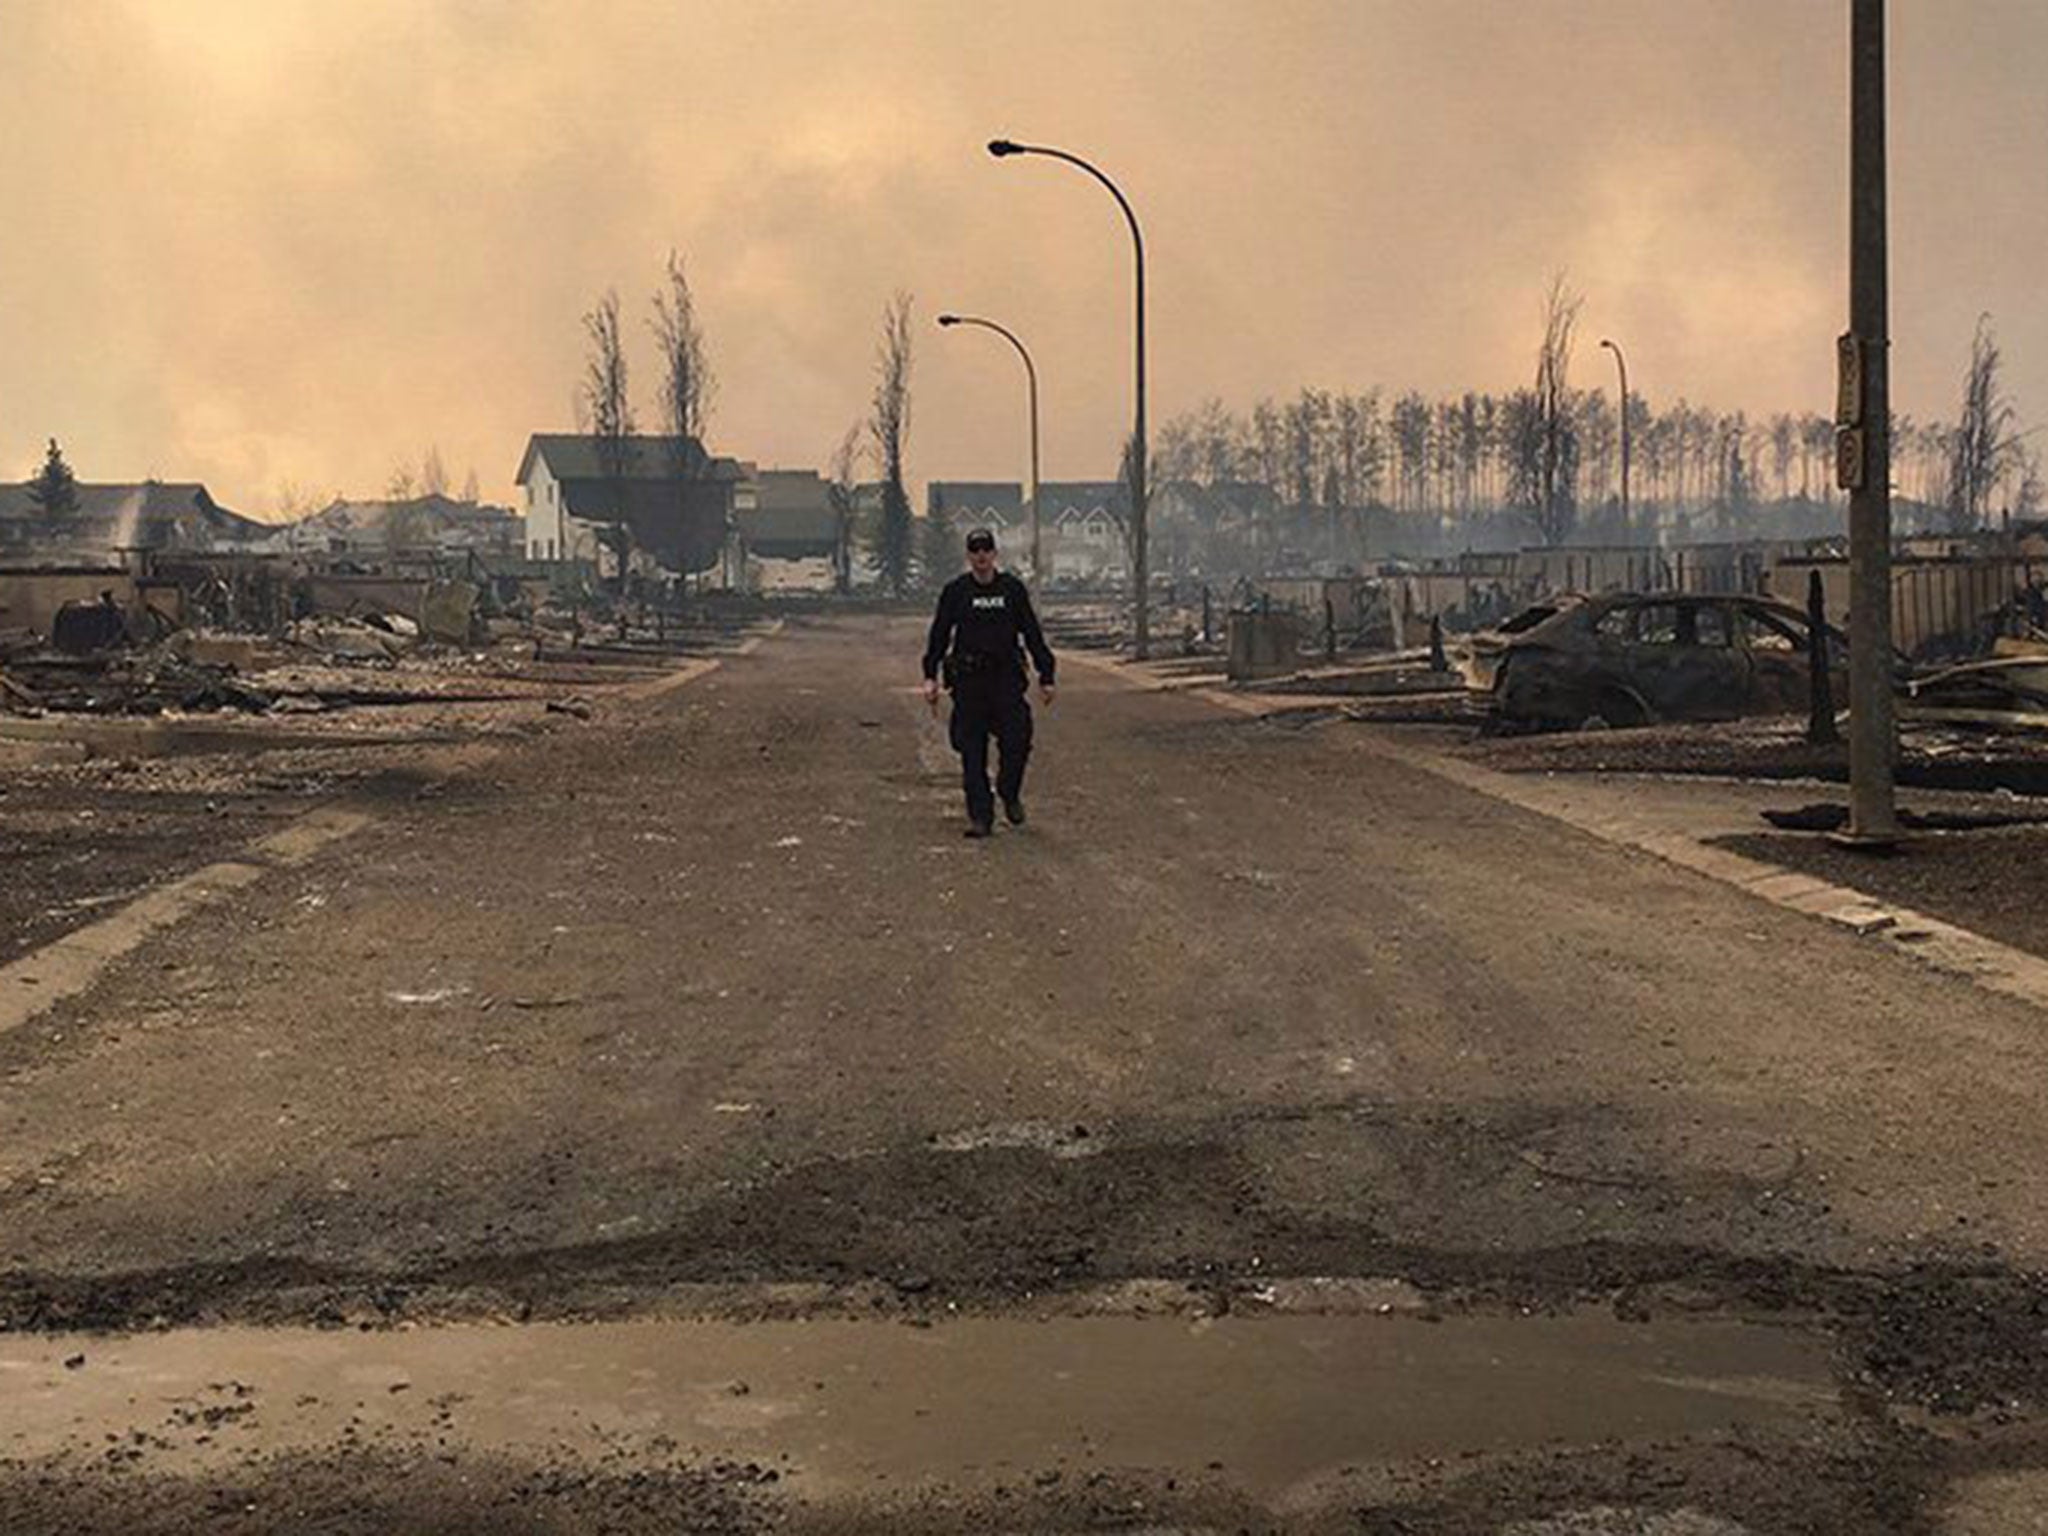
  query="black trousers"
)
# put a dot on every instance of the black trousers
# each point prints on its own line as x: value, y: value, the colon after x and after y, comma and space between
x: 982, y: 710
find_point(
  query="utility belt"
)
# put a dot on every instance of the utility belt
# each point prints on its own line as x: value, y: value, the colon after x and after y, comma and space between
x: 978, y: 669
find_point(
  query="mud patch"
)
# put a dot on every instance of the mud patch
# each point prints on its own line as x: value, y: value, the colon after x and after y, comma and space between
x: 378, y: 1491
x: 1280, y: 1402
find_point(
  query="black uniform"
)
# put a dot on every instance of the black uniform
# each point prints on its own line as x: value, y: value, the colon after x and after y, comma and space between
x: 984, y: 625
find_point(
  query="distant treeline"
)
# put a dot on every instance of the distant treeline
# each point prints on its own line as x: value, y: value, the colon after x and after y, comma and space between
x: 1481, y: 456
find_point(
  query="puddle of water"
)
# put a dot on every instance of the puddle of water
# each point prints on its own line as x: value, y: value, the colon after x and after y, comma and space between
x: 1276, y: 1400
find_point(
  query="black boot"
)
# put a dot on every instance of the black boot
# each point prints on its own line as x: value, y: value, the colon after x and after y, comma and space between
x: 979, y: 828
x: 1013, y: 812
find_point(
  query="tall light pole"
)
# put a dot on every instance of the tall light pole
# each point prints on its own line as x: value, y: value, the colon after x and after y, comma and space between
x: 1140, y: 617
x: 1031, y: 385
x: 1621, y: 363
x: 1863, y: 450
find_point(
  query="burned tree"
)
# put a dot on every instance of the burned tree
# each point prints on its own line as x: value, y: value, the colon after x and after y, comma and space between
x: 1557, y: 447
x: 433, y: 473
x: 686, y: 383
x: 403, y: 522
x: 889, y: 432
x: 687, y: 386
x: 1983, y: 449
x: 610, y: 414
x: 842, y: 490
x: 54, y: 491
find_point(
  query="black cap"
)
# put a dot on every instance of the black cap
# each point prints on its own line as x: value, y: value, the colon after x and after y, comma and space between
x: 981, y: 538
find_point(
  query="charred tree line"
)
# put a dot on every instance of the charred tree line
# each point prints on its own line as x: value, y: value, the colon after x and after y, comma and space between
x: 1548, y: 456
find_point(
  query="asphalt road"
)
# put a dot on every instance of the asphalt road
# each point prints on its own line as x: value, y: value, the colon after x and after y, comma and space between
x: 703, y: 1008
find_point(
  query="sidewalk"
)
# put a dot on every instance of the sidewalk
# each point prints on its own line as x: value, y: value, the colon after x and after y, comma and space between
x: 1680, y: 819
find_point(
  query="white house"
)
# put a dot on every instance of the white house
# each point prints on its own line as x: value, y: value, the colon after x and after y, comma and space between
x: 677, y: 501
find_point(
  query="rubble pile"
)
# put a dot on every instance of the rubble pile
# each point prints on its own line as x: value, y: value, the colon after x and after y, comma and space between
x: 2008, y: 689
x: 121, y: 683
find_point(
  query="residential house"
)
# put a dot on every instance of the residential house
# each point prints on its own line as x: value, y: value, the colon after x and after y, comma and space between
x: 1081, y: 530
x: 109, y: 519
x: 422, y: 525
x: 998, y: 505
x: 674, y: 499
x: 789, y: 532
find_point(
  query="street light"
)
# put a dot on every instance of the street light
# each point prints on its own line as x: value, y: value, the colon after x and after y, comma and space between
x: 1621, y: 363
x: 1031, y: 383
x: 1863, y: 450
x: 1140, y: 625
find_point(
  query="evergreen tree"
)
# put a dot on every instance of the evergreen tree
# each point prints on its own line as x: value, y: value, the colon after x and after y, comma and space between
x: 55, y: 489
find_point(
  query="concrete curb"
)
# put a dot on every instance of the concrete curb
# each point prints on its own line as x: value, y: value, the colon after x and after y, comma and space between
x: 37, y: 981
x: 1929, y: 941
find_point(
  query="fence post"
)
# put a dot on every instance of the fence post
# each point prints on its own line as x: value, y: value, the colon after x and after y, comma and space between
x: 1820, y: 687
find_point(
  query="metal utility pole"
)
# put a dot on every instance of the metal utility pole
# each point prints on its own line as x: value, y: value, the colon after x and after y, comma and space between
x: 1140, y: 444
x: 1863, y: 456
x: 1031, y: 386
x: 1621, y: 363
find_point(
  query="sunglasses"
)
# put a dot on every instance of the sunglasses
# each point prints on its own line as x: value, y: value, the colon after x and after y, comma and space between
x: 981, y: 547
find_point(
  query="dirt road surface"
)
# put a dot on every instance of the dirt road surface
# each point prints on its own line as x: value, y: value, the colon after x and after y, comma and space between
x: 702, y: 1013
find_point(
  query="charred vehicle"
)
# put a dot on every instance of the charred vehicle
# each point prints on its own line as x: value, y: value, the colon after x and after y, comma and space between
x: 1636, y: 658
x: 1480, y: 655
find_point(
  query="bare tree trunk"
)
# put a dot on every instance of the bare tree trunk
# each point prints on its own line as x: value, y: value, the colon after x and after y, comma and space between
x: 1983, y: 447
x: 1557, y: 507
x: 611, y: 422
x: 889, y: 430
x: 842, y: 491
x: 686, y: 386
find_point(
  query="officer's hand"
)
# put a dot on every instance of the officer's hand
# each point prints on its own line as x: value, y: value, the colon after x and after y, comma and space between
x: 1045, y: 693
x: 931, y: 692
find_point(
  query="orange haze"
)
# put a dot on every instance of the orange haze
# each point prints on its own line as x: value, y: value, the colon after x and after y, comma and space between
x: 266, y: 241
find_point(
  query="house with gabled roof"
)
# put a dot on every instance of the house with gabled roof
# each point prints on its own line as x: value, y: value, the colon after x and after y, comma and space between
x: 791, y: 517
x: 1082, y: 529
x: 432, y: 523
x: 966, y: 504
x: 151, y: 514
x: 790, y: 534
x: 676, y: 499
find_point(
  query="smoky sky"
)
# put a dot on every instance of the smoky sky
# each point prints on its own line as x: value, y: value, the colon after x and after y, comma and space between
x: 270, y: 242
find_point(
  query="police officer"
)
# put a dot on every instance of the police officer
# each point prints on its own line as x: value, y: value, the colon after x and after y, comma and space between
x: 983, y: 615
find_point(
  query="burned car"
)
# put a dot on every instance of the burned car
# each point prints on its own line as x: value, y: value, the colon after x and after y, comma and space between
x: 1479, y: 656
x: 1640, y: 657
